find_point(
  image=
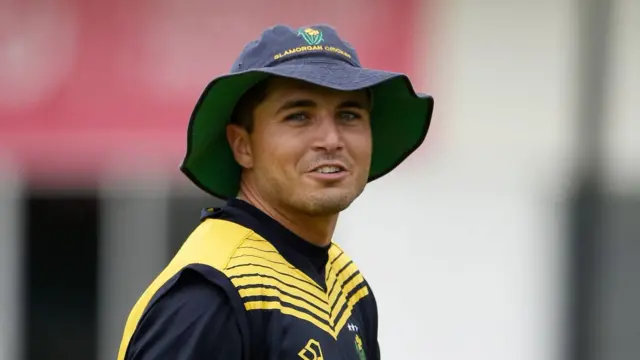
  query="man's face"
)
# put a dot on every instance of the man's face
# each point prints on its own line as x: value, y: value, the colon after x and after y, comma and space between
x: 310, y: 147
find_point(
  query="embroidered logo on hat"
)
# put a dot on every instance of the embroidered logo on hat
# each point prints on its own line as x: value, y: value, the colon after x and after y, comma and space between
x: 311, y: 36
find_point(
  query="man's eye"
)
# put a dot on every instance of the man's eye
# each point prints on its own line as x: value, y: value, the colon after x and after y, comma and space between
x: 349, y: 116
x: 297, y: 117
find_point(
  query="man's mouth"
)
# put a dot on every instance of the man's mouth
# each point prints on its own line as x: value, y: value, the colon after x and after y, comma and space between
x: 329, y: 169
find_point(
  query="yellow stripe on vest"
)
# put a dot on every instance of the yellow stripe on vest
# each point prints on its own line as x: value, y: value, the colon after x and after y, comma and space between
x: 275, y: 305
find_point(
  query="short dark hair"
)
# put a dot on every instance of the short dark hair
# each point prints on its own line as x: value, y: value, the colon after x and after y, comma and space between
x: 242, y: 114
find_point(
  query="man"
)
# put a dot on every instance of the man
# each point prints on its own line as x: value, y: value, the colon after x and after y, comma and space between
x: 290, y: 138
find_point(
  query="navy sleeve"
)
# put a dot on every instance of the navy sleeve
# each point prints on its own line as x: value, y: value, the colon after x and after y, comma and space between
x: 193, y: 320
x: 373, y: 329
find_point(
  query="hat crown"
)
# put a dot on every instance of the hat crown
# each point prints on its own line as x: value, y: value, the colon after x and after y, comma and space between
x: 280, y: 43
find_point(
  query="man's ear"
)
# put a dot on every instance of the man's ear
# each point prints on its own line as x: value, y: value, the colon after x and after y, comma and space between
x: 238, y: 139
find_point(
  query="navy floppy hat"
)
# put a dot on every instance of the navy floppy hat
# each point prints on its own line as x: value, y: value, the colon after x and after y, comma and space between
x: 400, y: 118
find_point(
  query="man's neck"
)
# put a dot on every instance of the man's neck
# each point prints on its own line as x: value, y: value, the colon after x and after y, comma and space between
x: 317, y: 230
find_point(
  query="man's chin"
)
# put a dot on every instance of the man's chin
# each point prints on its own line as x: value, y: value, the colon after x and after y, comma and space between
x: 329, y: 201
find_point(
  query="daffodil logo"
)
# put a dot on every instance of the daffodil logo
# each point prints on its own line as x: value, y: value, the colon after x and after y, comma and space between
x: 311, y: 36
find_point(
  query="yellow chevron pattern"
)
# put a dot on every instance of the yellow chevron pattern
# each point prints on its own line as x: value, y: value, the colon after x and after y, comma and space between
x: 260, y: 272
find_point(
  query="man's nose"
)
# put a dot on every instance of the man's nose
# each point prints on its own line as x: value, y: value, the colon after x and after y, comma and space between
x: 328, y: 136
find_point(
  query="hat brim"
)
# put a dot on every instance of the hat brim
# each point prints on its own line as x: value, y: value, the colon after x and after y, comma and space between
x: 400, y: 118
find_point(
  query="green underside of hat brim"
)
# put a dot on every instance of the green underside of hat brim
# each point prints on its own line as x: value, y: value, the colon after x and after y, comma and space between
x: 400, y: 120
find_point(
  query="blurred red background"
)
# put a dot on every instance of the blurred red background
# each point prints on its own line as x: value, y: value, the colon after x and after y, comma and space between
x: 89, y: 85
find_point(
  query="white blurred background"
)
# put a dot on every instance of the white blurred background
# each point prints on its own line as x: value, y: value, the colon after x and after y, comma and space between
x: 513, y: 233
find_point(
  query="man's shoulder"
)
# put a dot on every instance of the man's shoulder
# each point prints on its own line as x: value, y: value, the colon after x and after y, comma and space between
x: 193, y: 278
x: 213, y: 247
x: 215, y: 242
x: 205, y: 253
